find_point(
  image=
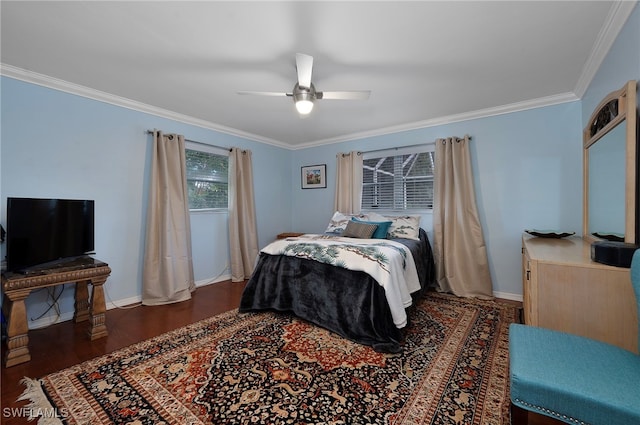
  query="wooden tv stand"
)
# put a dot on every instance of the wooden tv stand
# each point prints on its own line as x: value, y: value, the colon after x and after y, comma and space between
x: 17, y: 287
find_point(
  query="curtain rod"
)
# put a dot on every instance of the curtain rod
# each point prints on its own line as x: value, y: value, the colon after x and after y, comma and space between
x: 407, y: 146
x: 196, y: 142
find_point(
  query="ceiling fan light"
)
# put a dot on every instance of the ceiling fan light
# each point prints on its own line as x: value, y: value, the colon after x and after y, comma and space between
x: 303, y: 98
x: 304, y: 106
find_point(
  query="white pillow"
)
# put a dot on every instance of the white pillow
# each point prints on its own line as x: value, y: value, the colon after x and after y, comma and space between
x: 406, y: 226
x: 373, y: 216
x: 339, y: 221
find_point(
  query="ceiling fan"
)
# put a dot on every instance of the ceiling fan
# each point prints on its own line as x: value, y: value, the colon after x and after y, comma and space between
x: 304, y: 92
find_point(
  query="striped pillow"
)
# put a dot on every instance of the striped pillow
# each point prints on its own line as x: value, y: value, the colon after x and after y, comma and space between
x: 358, y: 230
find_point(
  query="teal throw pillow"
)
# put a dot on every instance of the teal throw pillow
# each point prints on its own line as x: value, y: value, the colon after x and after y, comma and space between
x: 381, y: 231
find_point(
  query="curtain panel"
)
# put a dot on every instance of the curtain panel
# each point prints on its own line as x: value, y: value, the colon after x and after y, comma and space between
x: 460, y: 253
x: 348, y: 195
x: 243, y: 234
x: 167, y: 274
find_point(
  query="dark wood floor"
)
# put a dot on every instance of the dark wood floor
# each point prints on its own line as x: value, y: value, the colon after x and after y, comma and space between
x: 65, y: 344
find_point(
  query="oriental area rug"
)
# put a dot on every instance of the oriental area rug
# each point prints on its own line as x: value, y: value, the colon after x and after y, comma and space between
x: 271, y: 368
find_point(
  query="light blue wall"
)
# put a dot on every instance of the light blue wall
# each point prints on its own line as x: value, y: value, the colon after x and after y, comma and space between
x: 527, y: 168
x: 621, y: 64
x: 58, y: 145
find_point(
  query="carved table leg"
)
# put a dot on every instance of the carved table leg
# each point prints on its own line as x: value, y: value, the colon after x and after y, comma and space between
x: 98, y: 327
x: 82, y: 302
x: 17, y: 329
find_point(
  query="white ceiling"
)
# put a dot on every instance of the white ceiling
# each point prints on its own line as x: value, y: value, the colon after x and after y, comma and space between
x: 425, y: 62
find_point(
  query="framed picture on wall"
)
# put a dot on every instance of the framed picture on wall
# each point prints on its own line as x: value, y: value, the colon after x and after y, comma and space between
x: 314, y: 176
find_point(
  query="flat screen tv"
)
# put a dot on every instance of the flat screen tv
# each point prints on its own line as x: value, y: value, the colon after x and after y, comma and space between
x: 42, y: 231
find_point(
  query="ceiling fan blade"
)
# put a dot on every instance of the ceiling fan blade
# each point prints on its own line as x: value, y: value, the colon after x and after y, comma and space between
x: 344, y: 95
x: 304, y: 67
x: 265, y: 93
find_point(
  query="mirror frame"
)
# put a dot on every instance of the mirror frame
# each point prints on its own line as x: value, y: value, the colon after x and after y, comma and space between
x: 618, y: 107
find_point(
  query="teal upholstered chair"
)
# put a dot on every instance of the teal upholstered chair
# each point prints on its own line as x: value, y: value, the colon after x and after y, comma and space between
x: 574, y: 379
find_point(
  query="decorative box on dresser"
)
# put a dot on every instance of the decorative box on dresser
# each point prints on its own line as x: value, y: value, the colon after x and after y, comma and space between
x: 565, y: 290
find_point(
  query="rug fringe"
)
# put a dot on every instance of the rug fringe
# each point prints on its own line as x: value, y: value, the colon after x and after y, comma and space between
x: 39, y: 405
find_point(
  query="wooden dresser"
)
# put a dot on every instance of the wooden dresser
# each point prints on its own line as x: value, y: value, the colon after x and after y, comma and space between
x: 566, y: 291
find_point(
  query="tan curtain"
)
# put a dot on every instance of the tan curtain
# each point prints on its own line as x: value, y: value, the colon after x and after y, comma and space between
x: 167, y: 275
x: 348, y: 196
x: 243, y: 236
x: 461, y: 256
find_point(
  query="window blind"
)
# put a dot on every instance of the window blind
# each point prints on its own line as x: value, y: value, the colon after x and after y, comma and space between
x: 393, y: 181
x: 207, y: 179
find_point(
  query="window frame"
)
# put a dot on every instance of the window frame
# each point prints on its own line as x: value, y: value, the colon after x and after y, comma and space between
x: 201, y: 147
x: 398, y: 182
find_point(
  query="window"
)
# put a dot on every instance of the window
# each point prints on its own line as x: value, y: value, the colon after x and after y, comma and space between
x: 398, y: 179
x: 207, y: 177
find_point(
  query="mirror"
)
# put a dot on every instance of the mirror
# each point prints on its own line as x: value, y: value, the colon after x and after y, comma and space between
x: 609, y: 164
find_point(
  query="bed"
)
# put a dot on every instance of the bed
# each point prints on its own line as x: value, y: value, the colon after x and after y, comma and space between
x: 331, y: 279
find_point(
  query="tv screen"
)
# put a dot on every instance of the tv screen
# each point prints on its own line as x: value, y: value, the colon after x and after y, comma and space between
x: 44, y: 230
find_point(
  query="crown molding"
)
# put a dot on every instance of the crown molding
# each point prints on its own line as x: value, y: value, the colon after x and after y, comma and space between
x: 466, y: 116
x: 65, y: 86
x: 618, y: 15
x: 76, y: 89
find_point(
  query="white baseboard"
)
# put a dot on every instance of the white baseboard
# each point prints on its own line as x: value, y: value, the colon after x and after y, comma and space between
x: 124, y: 302
x: 50, y: 320
x: 508, y: 296
x: 211, y: 281
x: 110, y: 304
